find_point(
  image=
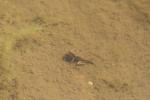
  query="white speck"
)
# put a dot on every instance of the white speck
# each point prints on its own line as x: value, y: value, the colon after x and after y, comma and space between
x: 90, y: 83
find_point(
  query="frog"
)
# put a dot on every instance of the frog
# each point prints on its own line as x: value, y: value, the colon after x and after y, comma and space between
x: 72, y: 58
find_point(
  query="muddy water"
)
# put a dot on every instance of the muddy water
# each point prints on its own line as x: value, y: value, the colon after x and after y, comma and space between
x: 113, y: 34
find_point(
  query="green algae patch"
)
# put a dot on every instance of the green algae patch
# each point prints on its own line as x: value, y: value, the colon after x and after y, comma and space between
x: 9, y: 36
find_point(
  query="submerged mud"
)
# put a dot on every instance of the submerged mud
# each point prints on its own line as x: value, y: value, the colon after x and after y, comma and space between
x: 35, y: 35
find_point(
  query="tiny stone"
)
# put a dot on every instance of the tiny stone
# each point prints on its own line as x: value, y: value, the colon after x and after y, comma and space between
x: 90, y: 83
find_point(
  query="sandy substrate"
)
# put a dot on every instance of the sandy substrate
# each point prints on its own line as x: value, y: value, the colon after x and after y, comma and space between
x: 35, y: 34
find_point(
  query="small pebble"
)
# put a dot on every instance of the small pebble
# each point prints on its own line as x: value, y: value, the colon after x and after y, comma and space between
x: 90, y: 83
